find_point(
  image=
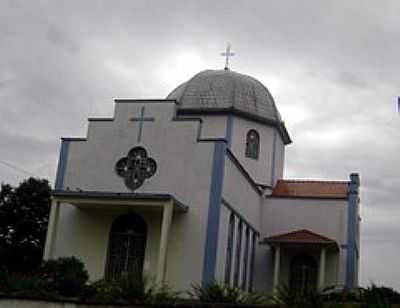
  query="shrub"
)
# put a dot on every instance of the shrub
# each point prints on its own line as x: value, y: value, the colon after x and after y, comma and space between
x: 18, y: 284
x: 222, y: 293
x: 307, y: 298
x: 103, y: 290
x: 137, y: 291
x: 379, y: 297
x: 67, y: 276
x: 24, y: 212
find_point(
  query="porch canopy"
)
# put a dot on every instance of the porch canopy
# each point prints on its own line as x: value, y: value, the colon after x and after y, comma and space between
x: 103, y: 199
x: 165, y: 203
x: 301, y: 239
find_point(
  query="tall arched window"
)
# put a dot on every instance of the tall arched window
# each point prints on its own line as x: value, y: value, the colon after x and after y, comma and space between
x: 126, y: 248
x: 229, y: 249
x: 252, y: 144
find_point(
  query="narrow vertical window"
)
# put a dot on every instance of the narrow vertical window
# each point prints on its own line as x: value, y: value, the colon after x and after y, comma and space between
x: 246, y: 258
x: 252, y: 144
x: 229, y: 249
x: 237, y: 257
x: 252, y: 260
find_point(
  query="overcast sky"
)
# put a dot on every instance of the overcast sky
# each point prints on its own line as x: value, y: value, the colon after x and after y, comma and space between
x: 332, y: 67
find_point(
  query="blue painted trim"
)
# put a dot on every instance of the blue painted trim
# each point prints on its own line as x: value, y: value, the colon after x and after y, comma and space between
x: 351, y: 230
x: 229, y: 129
x: 214, y: 211
x: 141, y: 101
x: 308, y: 197
x: 280, y: 125
x: 118, y: 196
x: 212, y: 140
x: 74, y: 139
x: 273, y: 159
x: 62, y: 164
x: 100, y: 119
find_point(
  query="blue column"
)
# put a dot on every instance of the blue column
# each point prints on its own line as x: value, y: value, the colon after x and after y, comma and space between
x: 62, y: 164
x: 214, y: 211
x: 352, y: 217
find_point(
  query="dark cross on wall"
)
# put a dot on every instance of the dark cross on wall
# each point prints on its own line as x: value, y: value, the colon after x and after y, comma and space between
x: 141, y: 121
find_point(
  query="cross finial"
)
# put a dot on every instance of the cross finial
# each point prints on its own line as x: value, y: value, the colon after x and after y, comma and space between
x: 227, y: 54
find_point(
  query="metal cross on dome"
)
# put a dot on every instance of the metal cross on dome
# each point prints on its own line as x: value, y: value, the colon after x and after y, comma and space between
x: 227, y: 54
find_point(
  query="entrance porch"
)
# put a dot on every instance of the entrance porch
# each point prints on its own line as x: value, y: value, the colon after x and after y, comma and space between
x: 114, y: 234
x: 300, y: 259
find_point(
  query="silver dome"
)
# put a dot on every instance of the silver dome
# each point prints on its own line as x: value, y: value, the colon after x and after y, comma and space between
x: 224, y: 90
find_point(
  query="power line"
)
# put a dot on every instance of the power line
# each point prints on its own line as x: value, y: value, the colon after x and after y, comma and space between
x: 15, y: 168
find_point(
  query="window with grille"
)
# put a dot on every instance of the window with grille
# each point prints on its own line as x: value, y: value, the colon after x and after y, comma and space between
x: 252, y: 144
x: 126, y: 248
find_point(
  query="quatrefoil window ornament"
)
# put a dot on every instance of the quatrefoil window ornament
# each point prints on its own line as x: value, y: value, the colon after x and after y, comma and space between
x: 136, y: 167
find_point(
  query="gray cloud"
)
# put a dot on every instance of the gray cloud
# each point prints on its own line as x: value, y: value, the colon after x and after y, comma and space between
x: 331, y: 66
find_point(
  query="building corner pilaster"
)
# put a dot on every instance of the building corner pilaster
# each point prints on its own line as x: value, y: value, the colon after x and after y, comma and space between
x: 352, y: 221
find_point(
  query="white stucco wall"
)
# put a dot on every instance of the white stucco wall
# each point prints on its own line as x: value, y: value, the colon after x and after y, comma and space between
x: 261, y: 169
x: 240, y: 194
x: 184, y: 171
x: 281, y: 215
x: 323, y: 216
x: 84, y: 233
x: 245, y: 201
x: 214, y: 126
x: 222, y: 244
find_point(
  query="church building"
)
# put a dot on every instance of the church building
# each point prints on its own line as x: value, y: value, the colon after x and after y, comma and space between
x: 190, y: 189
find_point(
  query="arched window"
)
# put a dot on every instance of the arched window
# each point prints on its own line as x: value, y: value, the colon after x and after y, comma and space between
x: 229, y: 249
x: 126, y: 248
x: 303, y: 272
x: 252, y: 144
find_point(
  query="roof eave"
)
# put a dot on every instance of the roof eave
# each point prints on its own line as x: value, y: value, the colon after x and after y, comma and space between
x: 280, y: 125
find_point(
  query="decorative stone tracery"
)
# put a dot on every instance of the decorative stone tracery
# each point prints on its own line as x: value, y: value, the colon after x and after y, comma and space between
x: 136, y: 167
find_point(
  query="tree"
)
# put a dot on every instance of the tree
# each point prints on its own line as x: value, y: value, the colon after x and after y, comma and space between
x: 24, y: 215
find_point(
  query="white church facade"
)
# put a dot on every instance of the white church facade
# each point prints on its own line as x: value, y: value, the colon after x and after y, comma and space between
x: 190, y: 189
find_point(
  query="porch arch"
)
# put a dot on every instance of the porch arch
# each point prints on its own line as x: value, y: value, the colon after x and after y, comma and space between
x: 126, y: 247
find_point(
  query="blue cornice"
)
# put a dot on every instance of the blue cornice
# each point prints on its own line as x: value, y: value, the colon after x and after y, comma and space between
x: 226, y: 111
x: 141, y: 101
x: 118, y: 195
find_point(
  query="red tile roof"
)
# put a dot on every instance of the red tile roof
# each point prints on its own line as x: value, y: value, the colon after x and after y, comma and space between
x: 310, y: 189
x: 299, y: 236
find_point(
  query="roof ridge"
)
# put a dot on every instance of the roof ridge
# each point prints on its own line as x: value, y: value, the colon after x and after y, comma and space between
x: 284, y: 234
x: 312, y: 181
